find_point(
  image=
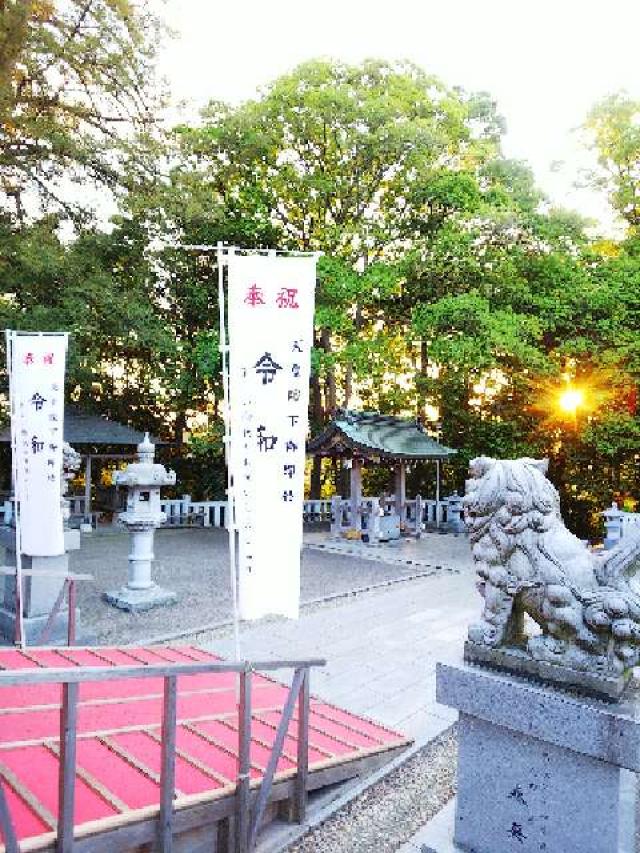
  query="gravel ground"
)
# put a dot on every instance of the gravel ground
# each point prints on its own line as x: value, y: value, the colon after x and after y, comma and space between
x: 194, y: 564
x: 386, y: 815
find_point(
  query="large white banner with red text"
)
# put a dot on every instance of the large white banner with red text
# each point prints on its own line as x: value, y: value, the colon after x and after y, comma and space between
x: 270, y: 318
x: 36, y: 364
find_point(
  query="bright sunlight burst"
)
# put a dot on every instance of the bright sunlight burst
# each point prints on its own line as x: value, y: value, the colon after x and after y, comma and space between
x: 571, y: 400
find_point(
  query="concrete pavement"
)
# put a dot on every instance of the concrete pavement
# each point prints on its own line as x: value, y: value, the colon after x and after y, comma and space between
x: 381, y: 647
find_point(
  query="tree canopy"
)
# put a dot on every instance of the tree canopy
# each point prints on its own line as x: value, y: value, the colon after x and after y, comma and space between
x: 76, y: 99
x: 449, y: 288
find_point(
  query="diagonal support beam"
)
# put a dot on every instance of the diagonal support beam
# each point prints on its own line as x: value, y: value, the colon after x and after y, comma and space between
x: 46, y: 631
x: 265, y: 787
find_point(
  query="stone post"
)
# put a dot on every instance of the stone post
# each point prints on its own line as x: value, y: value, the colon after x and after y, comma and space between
x: 336, y: 515
x: 401, y: 490
x: 71, y: 461
x: 86, y: 526
x: 143, y: 479
x: 356, y: 493
x: 373, y: 528
x: 454, y: 514
x: 418, y: 516
x: 612, y: 525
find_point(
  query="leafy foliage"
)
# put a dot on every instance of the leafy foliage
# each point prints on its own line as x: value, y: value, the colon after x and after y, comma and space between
x: 76, y: 99
x: 448, y: 288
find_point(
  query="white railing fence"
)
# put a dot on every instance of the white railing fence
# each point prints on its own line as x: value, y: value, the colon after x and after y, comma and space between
x: 374, y: 516
x: 185, y: 512
x: 378, y: 517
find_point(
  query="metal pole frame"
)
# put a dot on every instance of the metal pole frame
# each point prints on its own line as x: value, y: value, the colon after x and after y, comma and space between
x: 222, y: 255
x: 19, y: 638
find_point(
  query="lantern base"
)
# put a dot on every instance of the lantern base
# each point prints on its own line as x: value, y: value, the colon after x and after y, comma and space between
x: 139, y: 600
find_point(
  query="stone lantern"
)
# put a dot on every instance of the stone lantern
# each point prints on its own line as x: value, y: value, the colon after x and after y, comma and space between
x: 143, y: 480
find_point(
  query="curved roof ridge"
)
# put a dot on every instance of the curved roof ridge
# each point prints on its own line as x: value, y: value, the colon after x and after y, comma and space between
x: 372, y: 433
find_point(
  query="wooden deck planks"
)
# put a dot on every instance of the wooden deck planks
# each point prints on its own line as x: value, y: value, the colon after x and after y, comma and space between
x: 119, y: 742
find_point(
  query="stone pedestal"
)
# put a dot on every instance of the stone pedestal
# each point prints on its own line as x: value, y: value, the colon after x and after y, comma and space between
x: 140, y: 593
x: 139, y: 600
x: 539, y: 769
x: 389, y: 527
x: 39, y: 594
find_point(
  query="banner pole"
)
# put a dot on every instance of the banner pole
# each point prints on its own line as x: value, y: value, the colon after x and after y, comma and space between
x: 231, y: 513
x: 19, y: 638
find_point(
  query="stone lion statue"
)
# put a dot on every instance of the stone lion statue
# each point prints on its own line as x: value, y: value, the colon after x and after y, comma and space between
x: 587, y: 606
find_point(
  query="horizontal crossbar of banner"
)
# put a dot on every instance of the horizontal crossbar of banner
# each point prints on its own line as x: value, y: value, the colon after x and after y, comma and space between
x: 239, y: 250
x: 18, y: 332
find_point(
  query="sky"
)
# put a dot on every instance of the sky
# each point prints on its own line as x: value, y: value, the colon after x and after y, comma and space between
x: 545, y: 62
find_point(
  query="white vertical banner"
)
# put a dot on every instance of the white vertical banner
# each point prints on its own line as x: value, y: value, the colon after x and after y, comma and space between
x: 36, y: 365
x: 270, y: 326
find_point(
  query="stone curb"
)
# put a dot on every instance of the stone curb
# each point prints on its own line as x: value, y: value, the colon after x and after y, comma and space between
x: 356, y: 788
x: 228, y: 623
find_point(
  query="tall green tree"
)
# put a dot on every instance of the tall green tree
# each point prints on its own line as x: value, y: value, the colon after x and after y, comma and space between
x: 77, y: 100
x: 613, y: 128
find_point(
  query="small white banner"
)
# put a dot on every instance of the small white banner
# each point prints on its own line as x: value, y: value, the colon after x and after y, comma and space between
x: 36, y: 366
x: 271, y: 303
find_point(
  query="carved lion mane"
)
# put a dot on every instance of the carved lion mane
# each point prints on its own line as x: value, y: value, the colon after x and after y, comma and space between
x: 528, y: 562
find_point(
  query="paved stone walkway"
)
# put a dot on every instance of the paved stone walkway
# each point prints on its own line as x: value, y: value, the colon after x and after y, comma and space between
x: 381, y: 647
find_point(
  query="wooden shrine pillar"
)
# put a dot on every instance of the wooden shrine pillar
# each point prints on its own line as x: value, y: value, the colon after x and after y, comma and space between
x: 401, y: 489
x: 356, y: 492
x: 437, y: 493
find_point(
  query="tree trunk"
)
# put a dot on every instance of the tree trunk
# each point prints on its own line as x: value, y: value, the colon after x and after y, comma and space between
x: 348, y: 384
x: 316, y: 479
x: 348, y: 373
x: 330, y: 380
x: 421, y: 380
x: 180, y: 426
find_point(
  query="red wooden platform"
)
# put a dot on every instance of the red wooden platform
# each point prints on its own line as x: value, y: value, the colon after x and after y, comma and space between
x: 118, y: 752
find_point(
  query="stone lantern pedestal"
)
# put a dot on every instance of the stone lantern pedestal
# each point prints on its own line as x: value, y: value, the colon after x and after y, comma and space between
x: 143, y: 479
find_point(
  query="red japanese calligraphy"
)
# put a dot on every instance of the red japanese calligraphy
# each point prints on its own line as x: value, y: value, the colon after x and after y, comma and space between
x: 286, y: 298
x: 255, y: 296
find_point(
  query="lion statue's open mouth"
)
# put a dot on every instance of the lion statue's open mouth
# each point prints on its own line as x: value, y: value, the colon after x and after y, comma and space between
x: 528, y: 562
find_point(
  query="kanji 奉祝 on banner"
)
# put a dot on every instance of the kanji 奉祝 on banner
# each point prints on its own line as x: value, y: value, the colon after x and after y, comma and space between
x: 37, y: 366
x: 271, y: 304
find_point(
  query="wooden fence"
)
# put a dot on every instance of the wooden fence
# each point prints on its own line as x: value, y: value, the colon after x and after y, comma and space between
x: 248, y: 816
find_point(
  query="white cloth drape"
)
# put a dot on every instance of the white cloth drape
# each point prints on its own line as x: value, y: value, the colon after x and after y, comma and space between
x: 270, y: 324
x: 37, y: 367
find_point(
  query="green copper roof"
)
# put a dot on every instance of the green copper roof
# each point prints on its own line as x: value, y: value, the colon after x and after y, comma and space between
x: 371, y: 434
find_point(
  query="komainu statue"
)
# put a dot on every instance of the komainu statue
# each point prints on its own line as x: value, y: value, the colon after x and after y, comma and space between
x: 587, y: 606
